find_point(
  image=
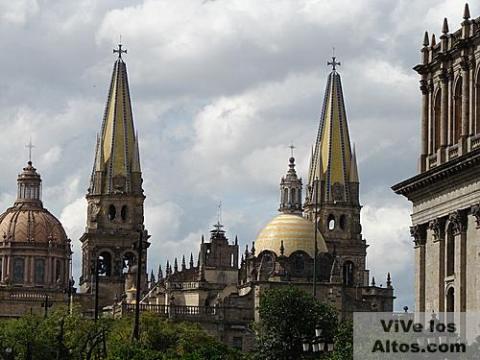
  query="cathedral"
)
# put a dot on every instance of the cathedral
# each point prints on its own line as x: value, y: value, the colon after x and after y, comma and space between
x: 315, y: 243
x: 446, y: 191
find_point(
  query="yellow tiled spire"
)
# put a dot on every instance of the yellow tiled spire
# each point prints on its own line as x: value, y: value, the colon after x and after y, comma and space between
x: 117, y: 154
x: 331, y: 161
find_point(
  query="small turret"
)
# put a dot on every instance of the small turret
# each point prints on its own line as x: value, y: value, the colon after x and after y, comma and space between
x: 466, y: 12
x: 184, y: 265
x: 445, y: 26
x: 191, y: 261
x: 425, y: 40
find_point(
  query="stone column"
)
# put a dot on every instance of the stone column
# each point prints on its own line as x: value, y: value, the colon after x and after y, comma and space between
x: 418, y: 232
x: 458, y: 223
x: 424, y: 126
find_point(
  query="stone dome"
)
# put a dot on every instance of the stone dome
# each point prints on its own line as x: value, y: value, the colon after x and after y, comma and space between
x: 24, y: 223
x: 296, y: 232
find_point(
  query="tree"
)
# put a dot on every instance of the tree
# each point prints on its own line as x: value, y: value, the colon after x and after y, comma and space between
x: 287, y: 316
x: 343, y: 341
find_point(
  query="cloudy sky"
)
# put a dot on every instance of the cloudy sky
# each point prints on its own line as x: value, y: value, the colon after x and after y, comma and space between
x: 220, y: 89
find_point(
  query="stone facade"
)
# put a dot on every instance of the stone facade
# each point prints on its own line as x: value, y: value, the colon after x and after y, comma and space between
x: 446, y: 192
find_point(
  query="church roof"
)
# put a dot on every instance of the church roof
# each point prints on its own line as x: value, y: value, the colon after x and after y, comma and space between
x: 332, y: 159
x: 293, y: 233
x: 116, y: 151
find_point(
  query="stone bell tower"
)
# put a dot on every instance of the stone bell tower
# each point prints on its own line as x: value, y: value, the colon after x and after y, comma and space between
x: 333, y: 187
x: 115, y: 196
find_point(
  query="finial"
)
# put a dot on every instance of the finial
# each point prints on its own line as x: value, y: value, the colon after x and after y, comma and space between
x: 282, y: 248
x: 160, y: 273
x: 334, y: 62
x: 191, y: 261
x: 445, y: 26
x: 292, y: 147
x: 434, y: 41
x: 253, y: 248
x: 246, y: 251
x: 120, y: 51
x: 219, y: 215
x: 30, y: 146
x: 466, y: 12
x: 203, y: 239
x: 184, y: 265
x: 373, y: 281
x: 425, y: 39
x: 175, y: 265
x: 236, y: 240
x: 389, y: 280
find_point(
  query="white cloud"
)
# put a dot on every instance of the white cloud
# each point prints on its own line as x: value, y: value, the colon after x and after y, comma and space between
x: 19, y: 11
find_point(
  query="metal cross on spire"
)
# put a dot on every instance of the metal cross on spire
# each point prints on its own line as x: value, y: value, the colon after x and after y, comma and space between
x: 30, y: 146
x: 334, y: 61
x: 219, y: 225
x: 292, y: 147
x: 120, y: 51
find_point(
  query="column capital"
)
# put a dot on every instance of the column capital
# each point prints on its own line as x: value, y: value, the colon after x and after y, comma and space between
x: 475, y: 210
x: 419, y: 234
x: 438, y: 228
x: 458, y: 221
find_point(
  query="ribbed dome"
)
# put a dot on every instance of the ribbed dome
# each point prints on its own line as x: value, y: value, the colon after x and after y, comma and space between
x: 24, y: 223
x: 296, y: 232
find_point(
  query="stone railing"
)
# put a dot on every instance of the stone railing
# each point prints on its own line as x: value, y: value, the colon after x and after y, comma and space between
x: 190, y: 313
x: 453, y: 152
x: 475, y: 142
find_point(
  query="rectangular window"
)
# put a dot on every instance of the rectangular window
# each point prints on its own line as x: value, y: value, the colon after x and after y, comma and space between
x: 39, y: 271
x: 18, y: 270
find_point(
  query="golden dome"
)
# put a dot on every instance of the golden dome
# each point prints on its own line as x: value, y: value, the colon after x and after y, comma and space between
x: 296, y: 232
x: 24, y: 223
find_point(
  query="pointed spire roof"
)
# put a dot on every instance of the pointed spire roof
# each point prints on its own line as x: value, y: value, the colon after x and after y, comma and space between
x: 332, y: 157
x: 425, y: 39
x: 117, y: 147
x: 445, y: 26
x: 466, y: 12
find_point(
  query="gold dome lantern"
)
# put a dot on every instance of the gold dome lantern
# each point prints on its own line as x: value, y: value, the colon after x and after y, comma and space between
x: 297, y: 234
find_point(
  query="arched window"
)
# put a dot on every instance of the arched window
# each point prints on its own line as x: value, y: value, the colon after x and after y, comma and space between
x: 123, y: 213
x: 437, y: 118
x: 348, y: 272
x: 451, y: 300
x: 450, y: 252
x: 456, y: 126
x: 343, y: 222
x: 331, y: 222
x: 18, y: 270
x: 112, y: 212
x: 105, y: 264
x: 128, y: 260
x: 292, y: 196
x: 39, y: 277
x: 285, y: 196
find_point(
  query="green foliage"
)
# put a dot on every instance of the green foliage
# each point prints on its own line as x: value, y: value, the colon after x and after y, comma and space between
x: 288, y: 315
x: 343, y: 341
x: 65, y: 336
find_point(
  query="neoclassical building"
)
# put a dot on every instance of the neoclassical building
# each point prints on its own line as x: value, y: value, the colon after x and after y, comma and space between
x: 35, y: 254
x: 446, y: 191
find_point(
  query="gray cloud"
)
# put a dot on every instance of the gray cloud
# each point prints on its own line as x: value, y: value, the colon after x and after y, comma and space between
x: 220, y: 89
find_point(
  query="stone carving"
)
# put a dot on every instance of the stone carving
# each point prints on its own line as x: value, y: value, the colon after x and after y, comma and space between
x: 418, y: 233
x: 437, y: 227
x: 457, y: 222
x: 476, y: 213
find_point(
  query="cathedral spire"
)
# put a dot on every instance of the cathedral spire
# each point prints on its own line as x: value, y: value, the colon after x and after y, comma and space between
x: 117, y: 159
x: 331, y: 162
